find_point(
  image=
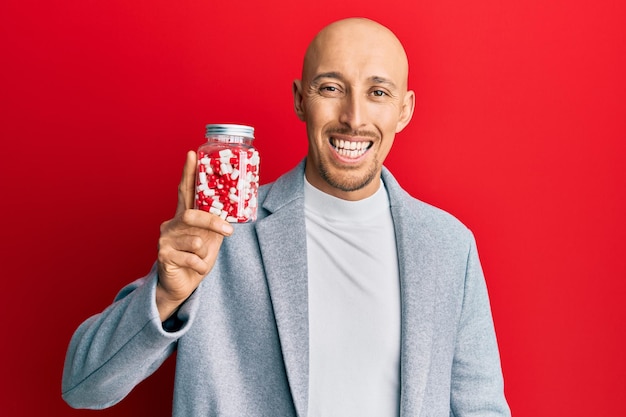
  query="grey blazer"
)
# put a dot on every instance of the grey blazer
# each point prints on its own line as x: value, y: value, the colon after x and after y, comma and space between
x: 242, y: 349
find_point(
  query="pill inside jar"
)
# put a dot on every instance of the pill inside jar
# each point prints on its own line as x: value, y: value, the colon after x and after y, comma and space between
x: 227, y: 175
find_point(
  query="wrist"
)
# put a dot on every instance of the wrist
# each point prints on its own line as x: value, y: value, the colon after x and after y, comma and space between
x: 166, y: 305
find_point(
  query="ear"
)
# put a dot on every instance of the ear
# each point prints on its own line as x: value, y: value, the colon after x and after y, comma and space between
x: 406, y: 113
x: 298, y: 99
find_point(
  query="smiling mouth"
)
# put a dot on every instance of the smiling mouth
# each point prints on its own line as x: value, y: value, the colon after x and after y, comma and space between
x: 350, y: 149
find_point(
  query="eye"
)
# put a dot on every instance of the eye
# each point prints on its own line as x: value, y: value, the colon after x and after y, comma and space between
x: 330, y: 90
x: 379, y: 93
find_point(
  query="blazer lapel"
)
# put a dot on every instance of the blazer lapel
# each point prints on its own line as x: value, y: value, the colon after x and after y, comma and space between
x: 282, y: 240
x: 418, y: 304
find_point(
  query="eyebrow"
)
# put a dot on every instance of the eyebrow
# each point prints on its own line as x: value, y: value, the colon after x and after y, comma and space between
x: 382, y: 80
x: 374, y: 79
x: 331, y: 74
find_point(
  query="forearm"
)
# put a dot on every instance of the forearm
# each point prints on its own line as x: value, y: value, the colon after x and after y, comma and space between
x: 113, y: 351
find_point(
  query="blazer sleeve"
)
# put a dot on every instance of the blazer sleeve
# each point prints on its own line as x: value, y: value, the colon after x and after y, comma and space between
x: 111, y: 352
x: 477, y: 383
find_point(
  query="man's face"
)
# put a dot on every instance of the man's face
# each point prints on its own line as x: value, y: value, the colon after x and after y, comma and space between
x: 353, y: 99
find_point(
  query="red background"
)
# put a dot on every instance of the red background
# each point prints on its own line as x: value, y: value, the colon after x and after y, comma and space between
x: 519, y: 131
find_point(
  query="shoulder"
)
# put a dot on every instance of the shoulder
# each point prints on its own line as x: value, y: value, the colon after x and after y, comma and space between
x: 432, y: 223
x: 285, y: 191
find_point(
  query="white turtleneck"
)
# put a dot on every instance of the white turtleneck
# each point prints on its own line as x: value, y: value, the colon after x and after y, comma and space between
x: 354, y: 306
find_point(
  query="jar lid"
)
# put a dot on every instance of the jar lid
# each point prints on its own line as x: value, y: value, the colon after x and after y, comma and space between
x: 230, y: 129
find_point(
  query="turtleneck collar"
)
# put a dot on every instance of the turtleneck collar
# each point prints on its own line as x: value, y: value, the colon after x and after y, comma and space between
x: 336, y: 209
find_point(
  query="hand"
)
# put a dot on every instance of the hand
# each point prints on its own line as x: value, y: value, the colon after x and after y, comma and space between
x: 188, y: 245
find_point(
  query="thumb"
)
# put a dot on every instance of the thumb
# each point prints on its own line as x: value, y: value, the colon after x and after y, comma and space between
x: 186, y: 188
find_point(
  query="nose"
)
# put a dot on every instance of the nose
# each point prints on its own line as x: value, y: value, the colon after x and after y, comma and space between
x: 353, y: 111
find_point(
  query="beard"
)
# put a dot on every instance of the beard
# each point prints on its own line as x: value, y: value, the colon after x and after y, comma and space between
x: 347, y: 180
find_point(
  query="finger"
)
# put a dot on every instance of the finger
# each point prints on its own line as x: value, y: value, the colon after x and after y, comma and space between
x: 186, y: 187
x: 206, y: 221
x: 200, y: 244
x: 172, y: 260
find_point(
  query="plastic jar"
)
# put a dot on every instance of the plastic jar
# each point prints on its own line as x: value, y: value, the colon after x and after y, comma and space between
x: 227, y: 174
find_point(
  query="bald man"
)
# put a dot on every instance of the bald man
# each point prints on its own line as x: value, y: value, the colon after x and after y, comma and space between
x: 347, y: 296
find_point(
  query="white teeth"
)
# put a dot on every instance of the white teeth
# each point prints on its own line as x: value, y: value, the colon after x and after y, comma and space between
x: 348, y: 148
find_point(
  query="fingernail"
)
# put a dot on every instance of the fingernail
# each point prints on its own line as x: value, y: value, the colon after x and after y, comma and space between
x: 227, y: 228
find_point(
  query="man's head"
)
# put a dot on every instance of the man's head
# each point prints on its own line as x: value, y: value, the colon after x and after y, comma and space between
x: 353, y: 97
